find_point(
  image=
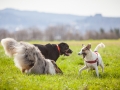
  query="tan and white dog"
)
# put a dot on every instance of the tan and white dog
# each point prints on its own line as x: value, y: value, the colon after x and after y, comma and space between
x: 91, y: 58
x: 28, y: 58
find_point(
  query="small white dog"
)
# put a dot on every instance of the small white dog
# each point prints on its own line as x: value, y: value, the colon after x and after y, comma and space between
x: 91, y: 58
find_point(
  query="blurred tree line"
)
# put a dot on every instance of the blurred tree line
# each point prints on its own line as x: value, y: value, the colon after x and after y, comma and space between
x: 59, y: 32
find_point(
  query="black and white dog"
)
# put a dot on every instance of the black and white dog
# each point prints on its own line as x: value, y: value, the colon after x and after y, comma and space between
x: 53, y: 51
x: 28, y: 58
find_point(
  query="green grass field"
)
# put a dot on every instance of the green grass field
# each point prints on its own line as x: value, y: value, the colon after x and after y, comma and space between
x: 12, y: 79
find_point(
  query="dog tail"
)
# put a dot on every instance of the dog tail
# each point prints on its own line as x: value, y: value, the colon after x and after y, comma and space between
x: 9, y: 46
x: 101, y: 45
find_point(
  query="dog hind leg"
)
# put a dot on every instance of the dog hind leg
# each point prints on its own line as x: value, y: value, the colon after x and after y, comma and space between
x: 97, y: 73
x: 102, y: 66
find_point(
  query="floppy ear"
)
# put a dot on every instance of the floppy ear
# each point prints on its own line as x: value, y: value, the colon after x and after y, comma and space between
x: 88, y: 46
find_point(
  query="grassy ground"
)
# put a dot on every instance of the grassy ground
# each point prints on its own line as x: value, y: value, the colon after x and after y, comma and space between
x: 12, y: 79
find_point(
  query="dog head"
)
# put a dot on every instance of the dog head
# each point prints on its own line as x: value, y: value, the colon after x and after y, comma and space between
x: 64, y: 49
x: 85, y: 50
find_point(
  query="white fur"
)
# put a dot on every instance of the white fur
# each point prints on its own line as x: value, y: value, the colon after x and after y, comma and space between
x: 9, y: 42
x: 98, y: 46
x: 92, y: 56
x: 51, y: 67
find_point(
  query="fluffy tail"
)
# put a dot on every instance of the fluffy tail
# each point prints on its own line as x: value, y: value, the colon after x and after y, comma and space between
x: 9, y: 46
x: 101, y: 45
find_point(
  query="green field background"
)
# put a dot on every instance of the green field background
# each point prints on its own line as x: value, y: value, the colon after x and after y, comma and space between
x: 12, y: 79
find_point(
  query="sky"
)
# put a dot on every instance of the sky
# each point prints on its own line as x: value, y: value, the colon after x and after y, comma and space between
x: 109, y: 8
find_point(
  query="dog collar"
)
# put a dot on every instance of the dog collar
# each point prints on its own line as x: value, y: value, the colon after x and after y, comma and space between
x: 58, y: 48
x: 94, y: 60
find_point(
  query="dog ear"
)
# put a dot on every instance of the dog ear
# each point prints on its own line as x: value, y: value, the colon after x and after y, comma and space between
x: 88, y: 46
x: 83, y: 45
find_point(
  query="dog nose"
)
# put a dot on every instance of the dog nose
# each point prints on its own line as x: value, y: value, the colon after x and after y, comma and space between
x: 70, y: 51
x: 78, y: 53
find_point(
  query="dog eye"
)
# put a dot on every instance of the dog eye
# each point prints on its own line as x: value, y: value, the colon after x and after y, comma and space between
x: 83, y: 50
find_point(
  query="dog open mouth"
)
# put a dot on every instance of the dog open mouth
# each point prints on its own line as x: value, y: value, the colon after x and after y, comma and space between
x: 67, y: 52
x: 84, y: 54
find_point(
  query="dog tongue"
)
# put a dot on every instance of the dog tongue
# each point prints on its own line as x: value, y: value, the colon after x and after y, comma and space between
x: 67, y: 54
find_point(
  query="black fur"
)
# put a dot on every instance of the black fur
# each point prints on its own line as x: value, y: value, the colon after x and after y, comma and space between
x: 50, y: 51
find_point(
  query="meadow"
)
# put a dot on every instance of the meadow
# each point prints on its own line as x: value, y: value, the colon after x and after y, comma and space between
x: 12, y: 79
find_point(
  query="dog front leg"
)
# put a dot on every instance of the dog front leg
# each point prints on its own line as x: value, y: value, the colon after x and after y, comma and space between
x: 85, y: 67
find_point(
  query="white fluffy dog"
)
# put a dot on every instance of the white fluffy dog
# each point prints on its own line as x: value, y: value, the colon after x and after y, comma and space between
x: 91, y: 59
x: 28, y: 58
